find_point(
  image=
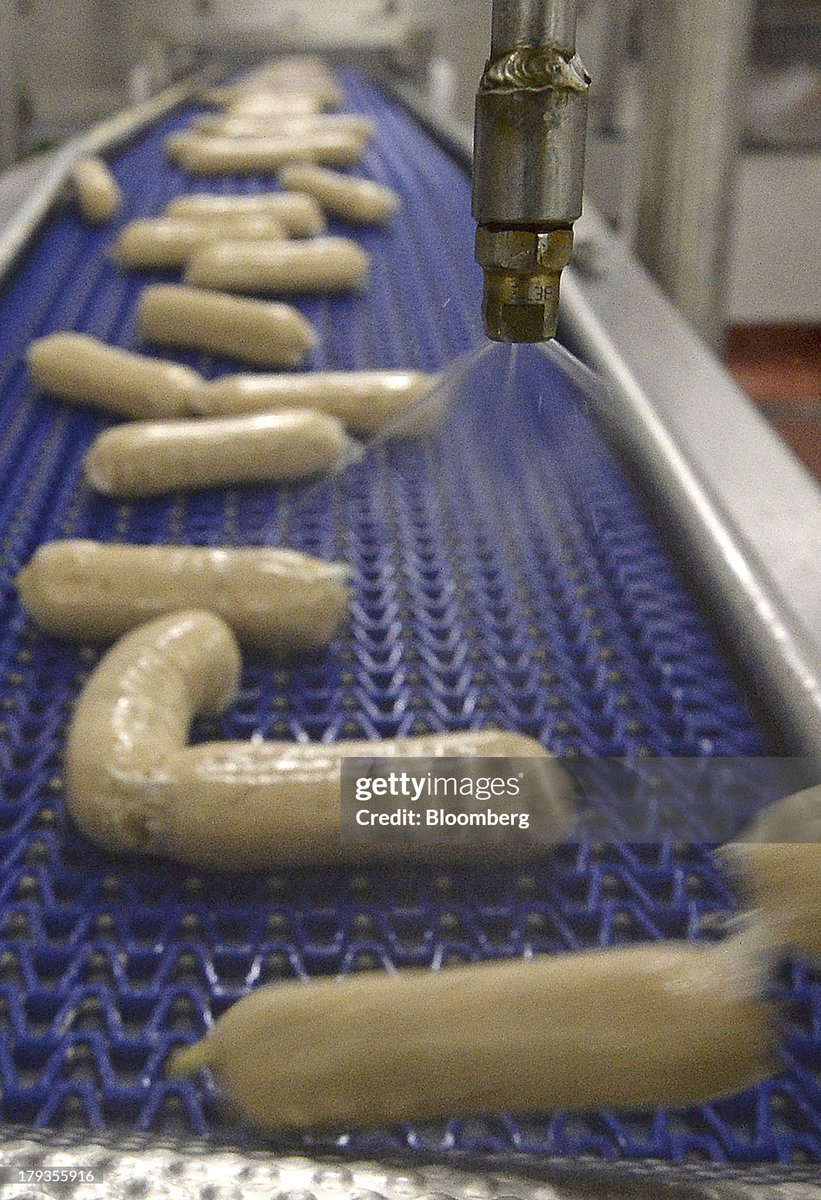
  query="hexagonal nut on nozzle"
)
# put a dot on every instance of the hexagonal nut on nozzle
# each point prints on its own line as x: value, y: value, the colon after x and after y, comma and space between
x: 523, y: 251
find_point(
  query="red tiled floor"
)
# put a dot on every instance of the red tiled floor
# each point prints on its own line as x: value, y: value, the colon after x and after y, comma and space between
x: 804, y: 437
x: 776, y: 364
x: 779, y: 367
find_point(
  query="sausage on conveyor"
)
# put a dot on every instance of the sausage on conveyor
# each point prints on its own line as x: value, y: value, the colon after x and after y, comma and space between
x: 260, y: 332
x: 778, y: 862
x: 83, y: 370
x: 97, y: 192
x: 310, y: 82
x: 323, y: 93
x: 274, y: 600
x: 250, y: 805
x: 283, y: 103
x: 158, y: 243
x: 284, y: 65
x: 300, y: 215
x: 254, y: 804
x: 225, y: 125
x: 203, y: 155
x: 280, y: 79
x: 359, y: 201
x: 149, y: 458
x: 174, y: 142
x: 320, y: 265
x: 178, y: 143
x: 365, y: 401
x: 667, y: 1024
x: 135, y: 710
x: 288, y: 66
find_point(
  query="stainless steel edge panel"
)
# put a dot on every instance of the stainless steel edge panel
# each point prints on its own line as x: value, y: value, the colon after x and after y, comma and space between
x: 743, y: 514
x: 164, y: 1170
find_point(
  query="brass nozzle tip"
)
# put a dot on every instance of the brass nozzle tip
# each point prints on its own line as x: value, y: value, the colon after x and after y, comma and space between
x: 519, y: 310
x: 522, y: 271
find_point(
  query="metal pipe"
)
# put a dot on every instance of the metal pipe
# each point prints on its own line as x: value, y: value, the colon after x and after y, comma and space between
x: 532, y: 23
x: 531, y: 117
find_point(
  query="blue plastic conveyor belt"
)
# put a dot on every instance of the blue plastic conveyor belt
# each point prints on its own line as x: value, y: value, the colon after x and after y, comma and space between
x: 593, y: 645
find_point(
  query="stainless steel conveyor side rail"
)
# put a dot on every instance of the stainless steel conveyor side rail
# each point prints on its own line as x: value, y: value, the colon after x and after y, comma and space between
x: 743, y: 514
x: 195, y: 1168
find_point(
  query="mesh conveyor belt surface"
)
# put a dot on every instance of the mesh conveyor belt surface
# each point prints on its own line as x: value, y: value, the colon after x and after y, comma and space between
x: 595, y: 647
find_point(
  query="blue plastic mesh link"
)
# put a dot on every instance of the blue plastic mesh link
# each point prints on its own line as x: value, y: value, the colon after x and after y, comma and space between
x: 592, y: 644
